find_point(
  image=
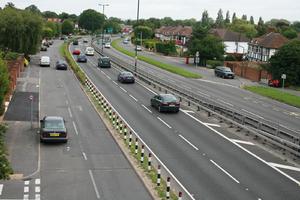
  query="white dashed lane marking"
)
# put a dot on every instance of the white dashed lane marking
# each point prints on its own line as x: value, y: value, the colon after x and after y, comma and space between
x: 147, y: 109
x: 123, y: 89
x: 165, y: 123
x: 223, y: 170
x: 133, y: 97
x: 70, y: 113
x: 75, y: 128
x: 187, y: 141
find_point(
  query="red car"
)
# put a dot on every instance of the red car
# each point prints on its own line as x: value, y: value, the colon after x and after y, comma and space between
x: 76, y: 52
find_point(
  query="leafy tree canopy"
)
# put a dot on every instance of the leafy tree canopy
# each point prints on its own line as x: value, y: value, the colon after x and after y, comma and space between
x: 91, y: 20
x: 287, y: 61
x: 67, y: 27
x: 243, y: 26
x: 143, y: 31
x: 49, y: 14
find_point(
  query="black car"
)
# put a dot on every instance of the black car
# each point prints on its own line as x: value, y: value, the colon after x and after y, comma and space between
x: 126, y: 77
x: 224, y: 72
x: 85, y: 40
x: 75, y: 42
x: 61, y: 64
x: 53, y: 129
x: 43, y: 48
x: 104, y: 62
x: 165, y: 102
x: 81, y: 58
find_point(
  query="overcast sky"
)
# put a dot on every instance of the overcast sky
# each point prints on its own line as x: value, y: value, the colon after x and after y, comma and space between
x: 177, y: 9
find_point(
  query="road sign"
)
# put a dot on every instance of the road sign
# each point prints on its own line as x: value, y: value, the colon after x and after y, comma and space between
x: 197, y: 54
x: 283, y: 76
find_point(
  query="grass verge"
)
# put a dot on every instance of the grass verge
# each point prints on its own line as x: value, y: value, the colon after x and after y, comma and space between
x: 276, y: 94
x: 168, y: 67
x: 5, y: 168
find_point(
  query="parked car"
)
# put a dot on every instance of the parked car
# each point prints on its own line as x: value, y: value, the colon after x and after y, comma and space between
x: 165, y: 102
x: 45, y: 61
x: 61, y: 64
x: 125, y: 41
x: 138, y: 48
x: 43, y: 48
x: 75, y: 42
x: 89, y: 51
x: 53, y: 129
x: 107, y: 45
x: 76, y: 51
x: 64, y: 37
x: 85, y: 40
x: 81, y: 58
x: 104, y: 62
x: 126, y: 77
x: 50, y: 42
x: 224, y: 72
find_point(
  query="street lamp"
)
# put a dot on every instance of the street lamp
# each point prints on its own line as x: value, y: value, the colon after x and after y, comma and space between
x: 103, y: 6
x: 137, y: 21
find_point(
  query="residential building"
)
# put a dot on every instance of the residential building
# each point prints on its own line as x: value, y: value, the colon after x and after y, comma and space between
x: 264, y: 47
x: 54, y: 20
x: 235, y: 43
x: 179, y: 34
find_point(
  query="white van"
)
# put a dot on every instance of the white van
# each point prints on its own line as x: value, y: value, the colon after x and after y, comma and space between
x: 89, y: 51
x: 45, y: 61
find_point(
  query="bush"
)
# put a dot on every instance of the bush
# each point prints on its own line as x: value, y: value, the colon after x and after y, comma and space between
x: 4, y: 83
x: 11, y: 56
x: 167, y: 48
x: 215, y: 63
x: 5, y: 168
x: 230, y: 58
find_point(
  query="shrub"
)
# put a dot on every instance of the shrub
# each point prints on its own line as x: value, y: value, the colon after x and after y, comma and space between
x: 11, y: 56
x: 215, y: 63
x: 5, y: 168
x: 167, y: 48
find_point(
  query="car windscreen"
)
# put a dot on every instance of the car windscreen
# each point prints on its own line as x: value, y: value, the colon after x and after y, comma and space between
x: 54, y: 124
x: 105, y: 60
x: 169, y: 98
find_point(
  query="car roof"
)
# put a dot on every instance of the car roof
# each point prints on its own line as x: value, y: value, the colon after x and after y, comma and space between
x: 45, y: 57
x: 165, y: 95
x: 126, y: 72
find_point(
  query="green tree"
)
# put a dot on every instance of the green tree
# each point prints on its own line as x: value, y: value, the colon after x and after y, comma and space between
x: 244, y: 17
x: 4, y: 82
x: 167, y: 21
x: 67, y: 27
x: 290, y: 33
x: 220, y: 19
x: 208, y: 46
x: 111, y: 24
x: 243, y: 27
x: 296, y: 26
x: 49, y: 14
x: 227, y: 20
x: 91, y: 20
x: 278, y: 24
x: 205, y: 18
x: 233, y: 17
x: 261, y: 27
x: 63, y: 16
x: 54, y: 27
x: 33, y: 8
x: 74, y: 18
x: 47, y: 32
x: 251, y: 20
x: 144, y: 31
x: 287, y: 61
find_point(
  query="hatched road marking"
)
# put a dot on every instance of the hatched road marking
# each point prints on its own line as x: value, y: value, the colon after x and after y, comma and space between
x: 242, y: 142
x: 285, y: 166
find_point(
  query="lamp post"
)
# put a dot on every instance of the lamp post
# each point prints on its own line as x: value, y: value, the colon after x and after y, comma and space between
x: 103, y: 6
x: 137, y: 21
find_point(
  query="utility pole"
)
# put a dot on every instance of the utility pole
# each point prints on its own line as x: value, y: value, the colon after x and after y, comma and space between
x: 103, y: 6
x: 137, y: 22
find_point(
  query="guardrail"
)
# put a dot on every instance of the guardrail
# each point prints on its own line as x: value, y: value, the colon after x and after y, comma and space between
x: 275, y: 134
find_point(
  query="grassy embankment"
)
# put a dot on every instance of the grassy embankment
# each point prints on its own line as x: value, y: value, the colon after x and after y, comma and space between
x: 167, y: 67
x: 5, y: 167
x: 276, y: 94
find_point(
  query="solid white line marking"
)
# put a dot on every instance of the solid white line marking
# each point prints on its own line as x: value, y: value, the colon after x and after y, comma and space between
x: 37, y: 181
x: 123, y: 89
x: 26, y: 182
x: 84, y: 156
x: 25, y: 197
x: 37, y: 189
x: 147, y: 108
x: 37, y: 196
x: 108, y: 77
x: 165, y: 123
x: 242, y: 142
x: 26, y: 189
x: 94, y: 184
x: 67, y: 102
x: 204, y: 94
x: 246, y: 150
x: 148, y: 89
x: 285, y: 166
x: 253, y: 114
x: 70, y: 113
x: 215, y: 125
x: 189, y: 142
x: 98, y: 69
x: 187, y: 111
x: 133, y: 97
x: 225, y: 102
x: 75, y: 128
x: 223, y: 170
x: 102, y: 71
x: 1, y: 188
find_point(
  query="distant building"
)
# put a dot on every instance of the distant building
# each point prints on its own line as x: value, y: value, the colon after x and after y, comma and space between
x: 235, y: 43
x: 126, y: 29
x: 179, y: 34
x: 54, y: 20
x: 264, y: 47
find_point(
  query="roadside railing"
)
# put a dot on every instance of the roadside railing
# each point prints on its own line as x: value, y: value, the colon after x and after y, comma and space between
x: 276, y: 134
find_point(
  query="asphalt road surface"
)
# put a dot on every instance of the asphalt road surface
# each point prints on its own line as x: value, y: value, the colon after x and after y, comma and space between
x: 209, y: 163
x: 224, y: 92
x: 90, y: 165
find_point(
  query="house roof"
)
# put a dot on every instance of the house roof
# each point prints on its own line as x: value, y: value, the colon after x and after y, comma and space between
x: 228, y: 35
x: 270, y: 40
x: 175, y: 30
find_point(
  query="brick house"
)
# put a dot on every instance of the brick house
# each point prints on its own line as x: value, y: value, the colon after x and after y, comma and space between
x: 264, y: 47
x: 235, y: 43
x: 179, y: 34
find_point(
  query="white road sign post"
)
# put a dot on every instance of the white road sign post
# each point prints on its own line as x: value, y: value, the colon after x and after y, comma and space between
x: 31, y: 110
x: 283, y: 76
